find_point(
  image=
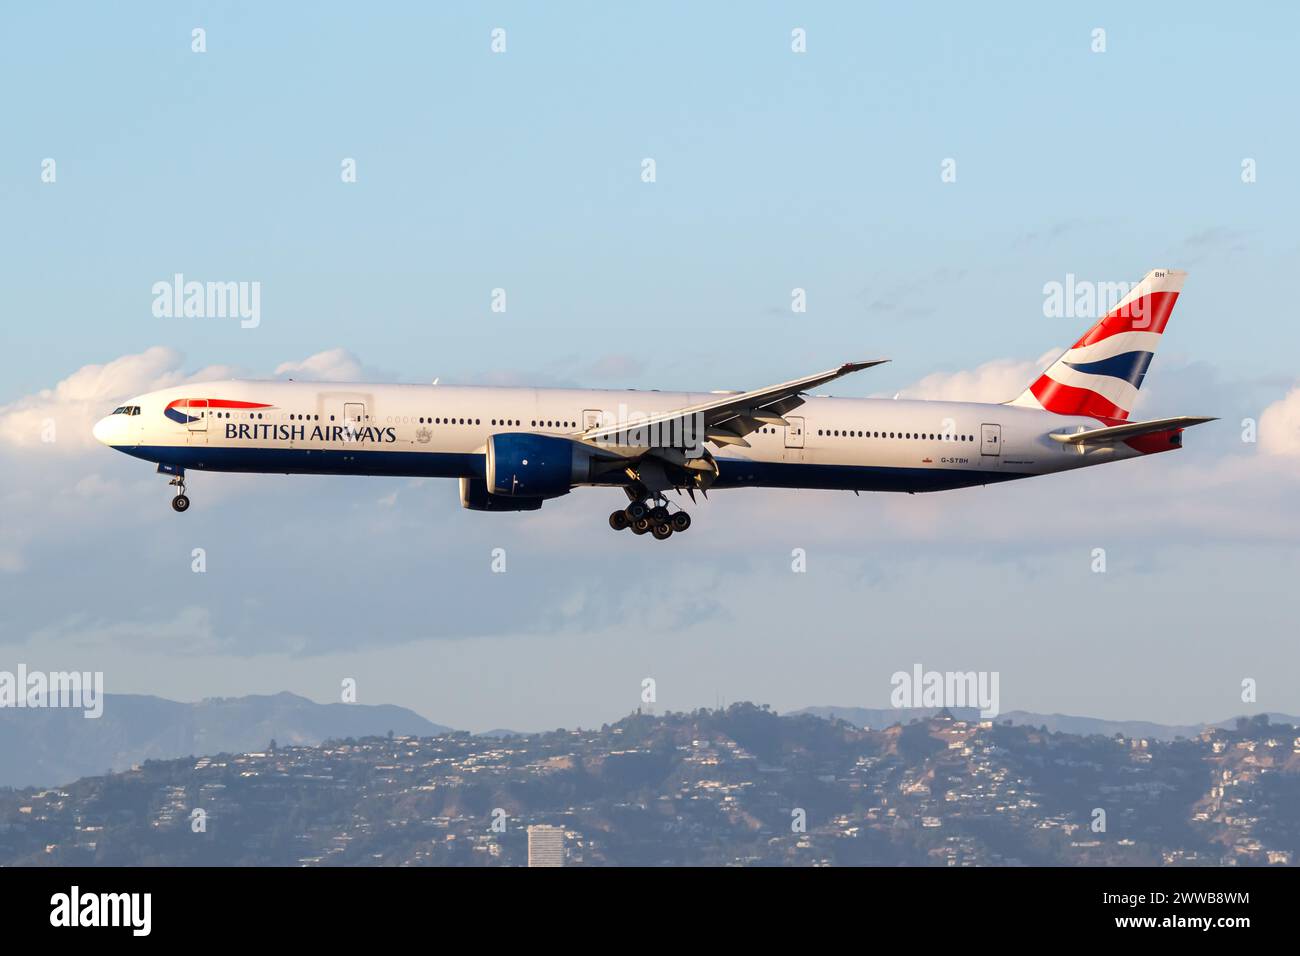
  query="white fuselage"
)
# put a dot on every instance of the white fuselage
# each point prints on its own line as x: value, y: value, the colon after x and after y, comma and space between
x: 441, y: 431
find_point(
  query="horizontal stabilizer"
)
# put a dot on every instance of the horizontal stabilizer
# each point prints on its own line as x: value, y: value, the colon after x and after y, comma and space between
x: 1096, y: 436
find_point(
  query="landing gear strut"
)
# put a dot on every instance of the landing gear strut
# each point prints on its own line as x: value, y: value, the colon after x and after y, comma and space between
x: 650, y: 514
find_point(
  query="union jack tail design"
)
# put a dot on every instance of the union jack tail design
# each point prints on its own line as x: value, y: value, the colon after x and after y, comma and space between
x: 1101, y: 373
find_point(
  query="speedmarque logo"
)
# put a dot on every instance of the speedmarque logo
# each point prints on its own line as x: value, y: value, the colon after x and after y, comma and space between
x: 102, y: 909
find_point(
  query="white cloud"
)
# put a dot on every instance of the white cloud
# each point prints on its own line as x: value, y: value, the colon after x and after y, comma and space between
x: 1279, y: 426
x: 56, y: 481
x: 1219, y: 487
x: 60, y: 418
x: 997, y: 381
x: 332, y: 365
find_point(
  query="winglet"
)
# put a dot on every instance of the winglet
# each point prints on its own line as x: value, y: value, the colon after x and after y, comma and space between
x: 848, y: 367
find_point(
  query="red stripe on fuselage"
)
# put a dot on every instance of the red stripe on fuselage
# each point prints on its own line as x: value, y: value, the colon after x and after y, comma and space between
x: 217, y: 403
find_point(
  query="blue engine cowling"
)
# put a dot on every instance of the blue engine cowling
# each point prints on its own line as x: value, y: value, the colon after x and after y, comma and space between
x: 474, y: 497
x: 522, y: 465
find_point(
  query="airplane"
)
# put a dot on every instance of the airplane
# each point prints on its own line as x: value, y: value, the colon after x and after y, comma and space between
x: 513, y: 448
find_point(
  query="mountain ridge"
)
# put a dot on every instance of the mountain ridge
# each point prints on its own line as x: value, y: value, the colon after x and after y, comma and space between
x: 878, y: 717
x: 53, y: 746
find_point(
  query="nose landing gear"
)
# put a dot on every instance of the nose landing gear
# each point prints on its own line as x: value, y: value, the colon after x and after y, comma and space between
x: 650, y: 515
x: 181, y: 502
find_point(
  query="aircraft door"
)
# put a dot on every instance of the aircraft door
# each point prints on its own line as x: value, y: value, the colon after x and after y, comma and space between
x: 990, y: 439
x: 354, y: 417
x: 197, y: 411
x: 794, y: 433
x: 793, y: 439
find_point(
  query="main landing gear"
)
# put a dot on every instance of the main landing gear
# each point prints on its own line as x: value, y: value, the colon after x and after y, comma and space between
x: 650, y: 515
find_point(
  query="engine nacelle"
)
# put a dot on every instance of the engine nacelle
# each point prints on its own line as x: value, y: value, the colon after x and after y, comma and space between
x: 522, y: 465
x: 474, y: 496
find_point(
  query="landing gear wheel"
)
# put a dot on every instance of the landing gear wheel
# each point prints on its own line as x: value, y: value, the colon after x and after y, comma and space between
x: 641, y: 525
x: 681, y: 521
x: 636, y: 509
x: 181, y: 503
x: 618, y: 520
x: 663, y: 530
x: 659, y: 514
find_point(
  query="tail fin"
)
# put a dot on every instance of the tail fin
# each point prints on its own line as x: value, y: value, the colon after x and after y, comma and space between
x: 1101, y: 374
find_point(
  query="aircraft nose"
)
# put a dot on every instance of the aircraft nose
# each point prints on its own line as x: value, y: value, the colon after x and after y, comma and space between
x: 104, y: 430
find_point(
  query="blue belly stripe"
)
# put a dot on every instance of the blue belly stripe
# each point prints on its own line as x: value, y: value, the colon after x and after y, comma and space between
x: 312, y: 461
x: 732, y: 472
x: 739, y: 473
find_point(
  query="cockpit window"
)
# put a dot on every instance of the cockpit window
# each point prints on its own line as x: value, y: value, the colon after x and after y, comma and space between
x: 120, y: 410
x: 127, y: 410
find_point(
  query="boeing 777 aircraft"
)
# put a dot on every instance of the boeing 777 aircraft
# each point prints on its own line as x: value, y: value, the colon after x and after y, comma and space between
x: 513, y: 448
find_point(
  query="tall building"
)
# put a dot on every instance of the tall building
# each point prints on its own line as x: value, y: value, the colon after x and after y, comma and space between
x: 545, y: 845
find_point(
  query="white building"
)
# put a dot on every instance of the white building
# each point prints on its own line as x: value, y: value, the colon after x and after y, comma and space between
x: 545, y: 845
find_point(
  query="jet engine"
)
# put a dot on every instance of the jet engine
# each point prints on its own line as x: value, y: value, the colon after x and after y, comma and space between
x: 474, y: 496
x: 524, y: 465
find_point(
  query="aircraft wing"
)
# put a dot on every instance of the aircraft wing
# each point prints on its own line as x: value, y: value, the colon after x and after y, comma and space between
x: 729, y: 417
x: 1115, y: 433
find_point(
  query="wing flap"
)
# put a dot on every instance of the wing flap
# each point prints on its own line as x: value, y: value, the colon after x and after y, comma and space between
x: 741, y: 412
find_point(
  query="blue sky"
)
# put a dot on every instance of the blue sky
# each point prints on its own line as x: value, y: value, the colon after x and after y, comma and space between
x: 775, y: 170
